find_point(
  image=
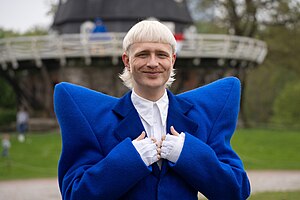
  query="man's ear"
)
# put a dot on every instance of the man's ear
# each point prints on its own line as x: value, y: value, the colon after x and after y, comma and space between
x: 173, y: 58
x: 125, y: 59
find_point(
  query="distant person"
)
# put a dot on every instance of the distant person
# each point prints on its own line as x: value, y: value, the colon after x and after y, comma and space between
x: 97, y: 36
x: 150, y: 144
x: 5, y: 145
x: 99, y: 26
x: 22, y: 123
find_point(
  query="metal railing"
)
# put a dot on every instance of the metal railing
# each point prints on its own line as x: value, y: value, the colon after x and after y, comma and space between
x: 61, y: 47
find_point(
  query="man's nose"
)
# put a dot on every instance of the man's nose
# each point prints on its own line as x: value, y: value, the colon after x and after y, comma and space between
x: 153, y: 61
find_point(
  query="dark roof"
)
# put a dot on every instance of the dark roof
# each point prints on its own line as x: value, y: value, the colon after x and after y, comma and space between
x: 122, y: 10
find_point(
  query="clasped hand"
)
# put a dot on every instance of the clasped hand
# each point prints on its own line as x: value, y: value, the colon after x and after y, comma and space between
x: 151, y: 150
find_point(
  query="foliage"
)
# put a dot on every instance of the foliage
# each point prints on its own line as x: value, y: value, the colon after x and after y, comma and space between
x: 276, y: 22
x: 209, y: 28
x: 7, y: 116
x: 8, y: 33
x: 267, y: 148
x: 33, y: 31
x: 281, y: 66
x: 7, y: 104
x: 7, y: 97
x: 286, y: 106
x: 36, y: 30
x: 53, y: 6
x: 245, y: 17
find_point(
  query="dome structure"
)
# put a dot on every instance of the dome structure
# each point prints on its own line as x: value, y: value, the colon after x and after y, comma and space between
x: 33, y: 65
x: 119, y: 15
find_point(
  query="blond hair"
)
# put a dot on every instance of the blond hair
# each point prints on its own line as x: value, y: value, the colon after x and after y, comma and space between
x: 147, y: 31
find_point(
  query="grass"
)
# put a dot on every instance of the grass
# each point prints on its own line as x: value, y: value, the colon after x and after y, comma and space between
x: 268, y: 149
x: 276, y: 196
x: 38, y: 156
x: 289, y: 195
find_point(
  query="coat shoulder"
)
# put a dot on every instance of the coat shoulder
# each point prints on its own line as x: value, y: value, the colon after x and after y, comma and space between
x: 218, y: 89
x: 78, y: 90
x: 87, y: 101
x: 215, y: 97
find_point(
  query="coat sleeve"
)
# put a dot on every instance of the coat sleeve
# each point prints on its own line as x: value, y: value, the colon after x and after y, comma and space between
x: 84, y: 172
x: 213, y: 168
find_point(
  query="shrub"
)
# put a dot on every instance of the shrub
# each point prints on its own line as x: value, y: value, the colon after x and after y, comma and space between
x: 7, y: 116
x: 286, y: 106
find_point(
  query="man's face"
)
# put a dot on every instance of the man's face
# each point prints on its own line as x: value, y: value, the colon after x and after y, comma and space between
x: 150, y: 64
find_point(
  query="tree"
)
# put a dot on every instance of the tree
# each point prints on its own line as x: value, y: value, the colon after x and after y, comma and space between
x: 286, y: 106
x: 246, y: 17
x: 53, y: 6
x: 12, y: 77
x: 250, y: 18
x: 280, y: 68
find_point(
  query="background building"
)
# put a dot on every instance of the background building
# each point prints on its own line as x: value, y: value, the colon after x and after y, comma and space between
x: 33, y: 65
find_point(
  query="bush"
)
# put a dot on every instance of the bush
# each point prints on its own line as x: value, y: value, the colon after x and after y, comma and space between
x: 7, y: 116
x: 7, y: 97
x: 286, y: 106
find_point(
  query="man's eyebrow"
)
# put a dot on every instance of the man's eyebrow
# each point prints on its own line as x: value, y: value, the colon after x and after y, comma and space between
x: 155, y: 51
x: 141, y: 51
x: 162, y: 51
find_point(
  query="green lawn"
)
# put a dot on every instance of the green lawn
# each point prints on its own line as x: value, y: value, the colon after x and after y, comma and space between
x: 35, y: 158
x: 293, y: 195
x: 259, y: 149
x: 268, y: 149
x: 290, y: 195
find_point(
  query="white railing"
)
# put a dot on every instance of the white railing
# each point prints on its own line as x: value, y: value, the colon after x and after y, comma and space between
x: 61, y: 47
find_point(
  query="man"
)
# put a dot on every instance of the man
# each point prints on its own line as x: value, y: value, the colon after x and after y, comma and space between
x: 22, y: 120
x: 150, y: 144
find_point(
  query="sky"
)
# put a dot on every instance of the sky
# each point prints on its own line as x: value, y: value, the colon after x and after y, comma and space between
x: 21, y: 15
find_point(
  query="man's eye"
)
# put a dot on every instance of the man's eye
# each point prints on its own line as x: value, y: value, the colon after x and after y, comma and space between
x: 141, y: 55
x: 162, y: 55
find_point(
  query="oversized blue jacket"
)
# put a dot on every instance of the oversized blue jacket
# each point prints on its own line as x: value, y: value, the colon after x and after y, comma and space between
x: 98, y: 160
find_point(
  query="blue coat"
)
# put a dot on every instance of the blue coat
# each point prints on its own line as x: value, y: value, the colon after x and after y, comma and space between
x: 98, y: 160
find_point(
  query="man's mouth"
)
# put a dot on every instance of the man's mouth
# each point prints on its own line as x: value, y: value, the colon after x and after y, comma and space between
x: 152, y: 72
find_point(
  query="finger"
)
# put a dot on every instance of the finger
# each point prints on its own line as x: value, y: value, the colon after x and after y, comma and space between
x: 153, y: 139
x: 173, y: 131
x: 158, y: 151
x: 158, y: 156
x: 142, y: 136
x: 157, y: 144
x: 163, y: 138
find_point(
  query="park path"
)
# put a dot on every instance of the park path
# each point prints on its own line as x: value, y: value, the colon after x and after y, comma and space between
x: 47, y: 189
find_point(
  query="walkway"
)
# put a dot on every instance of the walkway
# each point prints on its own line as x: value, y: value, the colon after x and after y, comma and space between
x: 47, y: 189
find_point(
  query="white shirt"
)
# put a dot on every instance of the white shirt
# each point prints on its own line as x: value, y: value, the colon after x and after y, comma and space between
x: 152, y: 114
x: 22, y: 117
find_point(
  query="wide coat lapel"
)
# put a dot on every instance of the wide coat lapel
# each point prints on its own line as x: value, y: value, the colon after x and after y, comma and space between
x: 130, y: 124
x: 177, y: 117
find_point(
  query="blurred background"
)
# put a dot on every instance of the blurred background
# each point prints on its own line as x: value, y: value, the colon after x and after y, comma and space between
x: 44, y: 42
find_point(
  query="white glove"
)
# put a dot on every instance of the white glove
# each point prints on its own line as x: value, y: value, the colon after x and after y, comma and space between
x: 172, y: 146
x: 147, y: 150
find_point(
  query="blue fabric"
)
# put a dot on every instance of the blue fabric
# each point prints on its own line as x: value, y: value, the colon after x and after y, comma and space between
x: 99, y: 29
x: 98, y: 160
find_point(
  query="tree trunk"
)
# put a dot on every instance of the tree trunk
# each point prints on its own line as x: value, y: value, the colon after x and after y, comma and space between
x: 243, y: 115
